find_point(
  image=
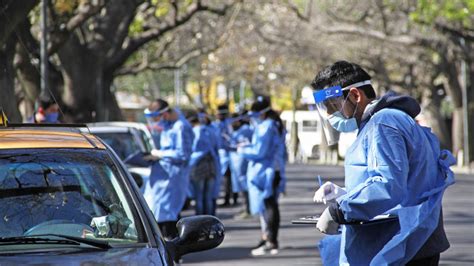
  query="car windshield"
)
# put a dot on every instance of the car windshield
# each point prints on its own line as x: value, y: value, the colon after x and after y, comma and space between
x: 124, y: 144
x: 75, y: 192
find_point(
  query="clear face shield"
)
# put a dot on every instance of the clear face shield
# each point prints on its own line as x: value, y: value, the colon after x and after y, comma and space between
x: 151, y: 118
x: 330, y: 104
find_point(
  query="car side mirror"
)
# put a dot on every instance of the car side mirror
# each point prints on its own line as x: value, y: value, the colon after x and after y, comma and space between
x: 197, y: 233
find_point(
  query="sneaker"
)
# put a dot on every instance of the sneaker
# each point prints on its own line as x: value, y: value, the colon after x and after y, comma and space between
x: 267, y: 249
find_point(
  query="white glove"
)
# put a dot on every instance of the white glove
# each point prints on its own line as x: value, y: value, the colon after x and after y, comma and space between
x: 326, y: 224
x: 157, y: 153
x: 154, y: 155
x: 327, y: 192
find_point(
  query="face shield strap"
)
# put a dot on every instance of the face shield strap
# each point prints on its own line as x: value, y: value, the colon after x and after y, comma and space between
x: 357, y: 85
x: 150, y: 114
x: 256, y: 114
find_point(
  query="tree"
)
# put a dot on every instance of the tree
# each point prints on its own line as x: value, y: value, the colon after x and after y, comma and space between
x: 92, y: 40
x: 11, y: 14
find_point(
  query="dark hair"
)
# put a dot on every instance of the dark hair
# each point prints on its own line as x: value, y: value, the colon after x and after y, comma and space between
x: 45, y: 101
x: 343, y: 73
x: 276, y: 117
x: 260, y: 104
x: 192, y: 117
x: 222, y: 108
x: 159, y: 105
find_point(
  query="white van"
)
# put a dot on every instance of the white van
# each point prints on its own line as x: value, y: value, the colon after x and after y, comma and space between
x: 309, y: 132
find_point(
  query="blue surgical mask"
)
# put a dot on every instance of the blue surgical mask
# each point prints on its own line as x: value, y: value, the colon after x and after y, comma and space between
x: 165, y: 124
x: 342, y: 124
x: 51, y: 117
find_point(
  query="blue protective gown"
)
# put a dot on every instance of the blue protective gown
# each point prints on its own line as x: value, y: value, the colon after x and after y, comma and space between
x: 222, y: 130
x: 204, y: 143
x: 166, y: 190
x: 394, y: 166
x: 238, y: 164
x: 260, y: 171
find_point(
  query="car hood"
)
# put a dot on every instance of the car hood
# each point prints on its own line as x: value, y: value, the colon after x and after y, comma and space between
x: 113, y: 256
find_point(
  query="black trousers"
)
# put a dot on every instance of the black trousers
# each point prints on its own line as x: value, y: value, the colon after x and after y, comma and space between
x: 227, y: 187
x: 430, y: 261
x: 272, y: 213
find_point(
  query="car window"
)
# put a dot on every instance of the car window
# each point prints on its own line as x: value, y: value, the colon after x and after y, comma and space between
x: 123, y: 144
x: 146, y: 140
x: 75, y: 192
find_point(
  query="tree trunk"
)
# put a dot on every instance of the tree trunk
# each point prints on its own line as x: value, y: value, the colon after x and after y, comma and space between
x: 451, y: 71
x: 81, y: 69
x: 7, y: 81
x: 110, y: 107
x: 431, y: 103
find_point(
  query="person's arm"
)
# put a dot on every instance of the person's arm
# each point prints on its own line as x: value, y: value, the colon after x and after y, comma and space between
x: 198, y: 152
x: 387, y: 161
x: 184, y: 143
x: 258, y: 149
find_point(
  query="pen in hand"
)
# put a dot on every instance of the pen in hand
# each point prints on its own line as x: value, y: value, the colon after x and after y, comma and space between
x: 319, y: 180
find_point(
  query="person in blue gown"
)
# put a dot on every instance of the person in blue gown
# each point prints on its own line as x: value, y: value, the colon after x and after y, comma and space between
x: 261, y: 182
x: 223, y: 129
x: 241, y: 136
x: 167, y: 187
x: 203, y: 162
x: 395, y: 166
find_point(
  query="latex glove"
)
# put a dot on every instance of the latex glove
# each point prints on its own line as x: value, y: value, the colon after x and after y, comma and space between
x: 157, y: 153
x: 154, y: 155
x: 326, y: 224
x: 327, y: 192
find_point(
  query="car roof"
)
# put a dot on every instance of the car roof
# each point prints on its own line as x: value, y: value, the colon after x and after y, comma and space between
x: 108, y: 129
x: 136, y: 125
x: 15, y: 138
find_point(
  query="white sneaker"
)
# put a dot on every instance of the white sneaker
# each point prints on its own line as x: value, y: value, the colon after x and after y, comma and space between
x: 264, y: 250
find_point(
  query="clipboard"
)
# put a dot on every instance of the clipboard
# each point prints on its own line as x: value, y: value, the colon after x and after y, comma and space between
x: 377, y: 219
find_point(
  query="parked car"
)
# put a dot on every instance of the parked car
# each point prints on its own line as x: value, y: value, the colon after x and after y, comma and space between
x: 67, y: 198
x: 127, y: 139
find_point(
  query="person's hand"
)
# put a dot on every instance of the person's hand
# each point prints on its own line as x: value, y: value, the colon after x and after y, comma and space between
x: 150, y: 158
x: 327, y: 192
x: 157, y: 153
x: 326, y: 224
x: 154, y: 155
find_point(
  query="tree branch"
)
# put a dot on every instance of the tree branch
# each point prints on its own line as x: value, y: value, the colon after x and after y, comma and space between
x: 408, y: 40
x: 63, y: 31
x: 136, y: 43
x: 301, y: 16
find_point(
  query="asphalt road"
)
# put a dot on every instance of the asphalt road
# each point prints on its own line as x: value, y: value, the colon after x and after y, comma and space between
x: 298, y: 243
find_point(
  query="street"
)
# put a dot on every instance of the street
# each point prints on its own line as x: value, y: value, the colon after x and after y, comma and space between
x: 298, y: 243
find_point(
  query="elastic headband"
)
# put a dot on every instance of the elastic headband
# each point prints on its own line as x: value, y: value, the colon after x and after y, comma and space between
x: 148, y: 113
x: 336, y: 91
